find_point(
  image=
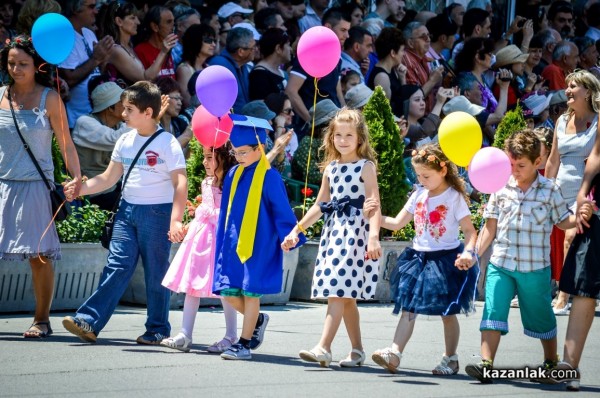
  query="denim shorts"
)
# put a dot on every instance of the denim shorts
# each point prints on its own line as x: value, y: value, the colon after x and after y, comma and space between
x: 235, y: 292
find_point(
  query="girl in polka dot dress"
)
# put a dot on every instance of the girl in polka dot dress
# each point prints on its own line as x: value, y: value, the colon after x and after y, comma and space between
x: 433, y: 277
x: 347, y: 265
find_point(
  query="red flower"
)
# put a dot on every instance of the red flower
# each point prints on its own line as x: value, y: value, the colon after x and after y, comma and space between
x: 434, y: 217
x: 306, y: 191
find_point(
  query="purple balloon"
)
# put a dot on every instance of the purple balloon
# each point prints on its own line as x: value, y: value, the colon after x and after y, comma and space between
x: 217, y: 89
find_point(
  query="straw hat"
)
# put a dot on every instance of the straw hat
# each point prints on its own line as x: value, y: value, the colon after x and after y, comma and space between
x: 510, y: 55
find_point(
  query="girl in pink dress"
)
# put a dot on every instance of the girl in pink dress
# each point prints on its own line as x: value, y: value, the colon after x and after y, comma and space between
x: 191, y: 271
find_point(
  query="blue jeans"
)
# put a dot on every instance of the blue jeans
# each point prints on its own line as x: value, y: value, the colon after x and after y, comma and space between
x: 138, y: 229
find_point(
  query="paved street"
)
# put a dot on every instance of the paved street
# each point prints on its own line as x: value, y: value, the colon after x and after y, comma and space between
x: 116, y: 366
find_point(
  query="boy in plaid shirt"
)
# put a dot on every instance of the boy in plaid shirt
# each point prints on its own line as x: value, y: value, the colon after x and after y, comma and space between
x: 519, y: 220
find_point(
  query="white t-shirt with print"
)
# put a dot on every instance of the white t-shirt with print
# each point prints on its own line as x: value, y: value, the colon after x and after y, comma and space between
x: 150, y: 181
x: 436, y: 219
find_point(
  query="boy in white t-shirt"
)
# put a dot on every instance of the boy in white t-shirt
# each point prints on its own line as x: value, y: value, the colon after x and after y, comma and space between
x: 148, y: 219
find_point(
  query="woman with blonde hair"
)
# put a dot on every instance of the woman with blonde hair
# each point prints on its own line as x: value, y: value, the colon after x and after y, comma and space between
x: 573, y: 141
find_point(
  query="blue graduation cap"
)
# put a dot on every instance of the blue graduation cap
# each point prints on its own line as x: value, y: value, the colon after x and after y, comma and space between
x: 245, y: 130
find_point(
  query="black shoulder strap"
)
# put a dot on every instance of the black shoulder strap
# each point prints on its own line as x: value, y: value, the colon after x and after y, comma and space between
x: 26, y: 146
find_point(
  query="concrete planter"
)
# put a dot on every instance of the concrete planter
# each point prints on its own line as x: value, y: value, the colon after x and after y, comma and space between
x: 78, y: 273
x: 76, y: 277
x: 136, y: 292
x: 306, y: 267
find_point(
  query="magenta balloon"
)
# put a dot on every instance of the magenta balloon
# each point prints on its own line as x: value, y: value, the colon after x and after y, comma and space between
x: 489, y: 170
x: 319, y: 51
x: 217, y: 89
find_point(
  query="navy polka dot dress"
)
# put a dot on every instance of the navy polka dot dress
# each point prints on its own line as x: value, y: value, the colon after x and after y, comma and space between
x: 341, y: 269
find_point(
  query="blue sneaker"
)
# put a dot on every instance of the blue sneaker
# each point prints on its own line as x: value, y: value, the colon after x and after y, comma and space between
x: 237, y: 352
x: 79, y: 328
x: 151, y: 338
x: 259, y: 331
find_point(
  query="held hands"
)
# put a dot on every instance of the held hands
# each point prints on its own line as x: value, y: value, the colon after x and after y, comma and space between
x: 373, y: 248
x: 584, y: 213
x: 370, y: 206
x: 464, y: 261
x: 290, y: 241
x: 71, y: 188
x: 177, y: 232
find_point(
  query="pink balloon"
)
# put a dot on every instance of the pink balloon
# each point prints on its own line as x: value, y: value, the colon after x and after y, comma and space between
x: 489, y: 170
x: 209, y: 130
x: 319, y: 51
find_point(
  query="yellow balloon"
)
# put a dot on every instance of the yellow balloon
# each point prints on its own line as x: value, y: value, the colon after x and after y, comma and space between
x: 460, y: 137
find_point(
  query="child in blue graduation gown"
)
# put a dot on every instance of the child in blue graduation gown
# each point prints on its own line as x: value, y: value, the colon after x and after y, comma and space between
x: 255, y: 218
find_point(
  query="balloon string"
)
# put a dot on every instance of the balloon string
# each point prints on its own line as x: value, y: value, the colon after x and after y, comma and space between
x: 312, y: 133
x: 65, y: 158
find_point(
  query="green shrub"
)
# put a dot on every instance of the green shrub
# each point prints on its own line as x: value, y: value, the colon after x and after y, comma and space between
x: 385, y: 140
x: 83, y: 225
x: 513, y: 121
x: 195, y: 169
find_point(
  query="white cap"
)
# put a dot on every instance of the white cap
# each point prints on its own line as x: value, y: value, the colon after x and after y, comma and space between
x: 228, y: 9
x: 462, y: 104
x: 250, y: 27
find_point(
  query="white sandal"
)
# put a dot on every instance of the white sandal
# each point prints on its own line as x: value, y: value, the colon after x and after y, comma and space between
x: 444, y: 368
x: 179, y: 342
x: 384, y: 358
x: 317, y: 354
x: 352, y: 363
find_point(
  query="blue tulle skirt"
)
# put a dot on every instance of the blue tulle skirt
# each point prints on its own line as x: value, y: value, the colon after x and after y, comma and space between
x: 428, y: 283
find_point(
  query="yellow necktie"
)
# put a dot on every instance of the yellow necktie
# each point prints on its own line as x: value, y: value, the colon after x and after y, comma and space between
x: 247, y: 233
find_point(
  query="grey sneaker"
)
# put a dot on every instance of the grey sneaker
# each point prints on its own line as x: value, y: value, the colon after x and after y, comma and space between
x: 79, y: 328
x: 151, y: 338
x: 259, y: 331
x: 237, y: 351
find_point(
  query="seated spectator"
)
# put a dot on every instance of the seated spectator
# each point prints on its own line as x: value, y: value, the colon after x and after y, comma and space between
x: 350, y: 78
x: 356, y: 10
x: 470, y: 88
x: 120, y: 21
x: 422, y: 126
x: 282, y: 106
x: 315, y: 11
x: 475, y: 59
x: 199, y: 44
x: 233, y: 13
x: 171, y: 120
x: 588, y: 53
x: 184, y: 18
x: 414, y: 58
x: 275, y: 149
x: 324, y: 113
x: 267, y: 77
x: 389, y: 72
x: 268, y: 18
x: 560, y: 18
x: 358, y: 96
x: 558, y: 106
x: 535, y: 55
x: 356, y: 52
x: 385, y: 9
x: 239, y: 50
x: 538, y: 104
x: 512, y: 59
x: 564, y: 61
x: 593, y: 21
x: 158, y: 36
x: 443, y: 35
x: 95, y: 136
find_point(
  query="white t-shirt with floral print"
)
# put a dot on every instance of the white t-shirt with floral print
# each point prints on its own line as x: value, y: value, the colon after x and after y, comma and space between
x: 436, y: 219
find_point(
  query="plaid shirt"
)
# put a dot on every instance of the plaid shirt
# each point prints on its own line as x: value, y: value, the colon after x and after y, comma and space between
x: 525, y: 220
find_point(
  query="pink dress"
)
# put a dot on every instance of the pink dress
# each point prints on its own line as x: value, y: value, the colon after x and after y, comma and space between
x: 191, y: 271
